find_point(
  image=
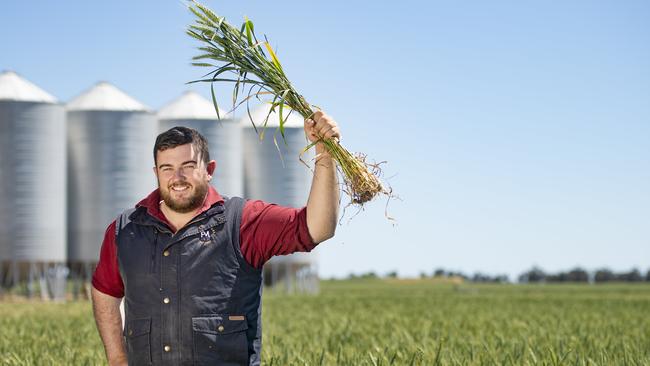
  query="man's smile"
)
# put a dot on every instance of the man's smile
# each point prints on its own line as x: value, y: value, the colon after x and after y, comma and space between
x: 180, y: 188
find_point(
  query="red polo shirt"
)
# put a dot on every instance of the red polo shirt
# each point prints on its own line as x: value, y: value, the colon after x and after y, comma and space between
x: 266, y: 230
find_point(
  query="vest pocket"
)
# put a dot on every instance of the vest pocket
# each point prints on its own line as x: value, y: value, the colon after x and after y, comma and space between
x: 138, y: 344
x: 220, y: 340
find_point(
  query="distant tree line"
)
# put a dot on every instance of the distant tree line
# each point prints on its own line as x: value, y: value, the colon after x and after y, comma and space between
x: 533, y: 275
x: 438, y: 273
x: 476, y: 277
x: 372, y: 275
x: 538, y: 275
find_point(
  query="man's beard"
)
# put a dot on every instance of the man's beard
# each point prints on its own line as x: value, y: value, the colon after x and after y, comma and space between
x: 185, y: 205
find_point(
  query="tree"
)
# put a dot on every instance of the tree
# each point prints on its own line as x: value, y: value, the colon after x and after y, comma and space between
x: 501, y: 279
x: 480, y: 277
x: 557, y: 277
x: 369, y: 275
x: 457, y: 274
x: 391, y: 274
x: 604, y: 275
x: 632, y: 276
x: 533, y: 275
x: 578, y: 275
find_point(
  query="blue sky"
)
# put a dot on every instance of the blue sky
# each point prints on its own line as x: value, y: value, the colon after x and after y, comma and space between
x: 516, y: 132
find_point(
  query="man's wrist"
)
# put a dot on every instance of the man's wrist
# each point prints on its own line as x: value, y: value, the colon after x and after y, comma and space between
x: 322, y: 155
x: 118, y: 361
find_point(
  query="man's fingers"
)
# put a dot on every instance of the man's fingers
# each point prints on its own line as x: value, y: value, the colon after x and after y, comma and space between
x: 317, y: 115
x: 329, y: 132
x: 324, y: 120
x: 333, y: 133
x: 322, y: 125
x: 322, y: 130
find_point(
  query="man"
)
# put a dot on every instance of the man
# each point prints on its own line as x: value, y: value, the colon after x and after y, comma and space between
x: 189, y: 262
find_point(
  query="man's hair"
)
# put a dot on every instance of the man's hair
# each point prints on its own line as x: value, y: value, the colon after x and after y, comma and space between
x: 180, y: 135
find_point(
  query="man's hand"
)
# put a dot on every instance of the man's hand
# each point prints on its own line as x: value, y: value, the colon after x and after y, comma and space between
x: 321, y: 125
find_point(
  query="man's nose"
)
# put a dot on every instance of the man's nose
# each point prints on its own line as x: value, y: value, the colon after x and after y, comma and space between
x: 179, y: 174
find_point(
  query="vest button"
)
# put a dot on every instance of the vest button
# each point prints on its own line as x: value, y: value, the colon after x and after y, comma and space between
x: 221, y: 328
x: 167, y: 348
x: 130, y: 331
x: 166, y: 253
x: 166, y: 300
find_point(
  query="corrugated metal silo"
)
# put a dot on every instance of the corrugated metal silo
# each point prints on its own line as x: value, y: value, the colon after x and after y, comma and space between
x: 224, y: 137
x: 110, y: 144
x: 32, y: 185
x: 275, y: 174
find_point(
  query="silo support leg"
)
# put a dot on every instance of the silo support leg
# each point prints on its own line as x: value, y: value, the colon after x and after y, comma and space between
x: 57, y: 275
x: 274, y: 275
x: 76, y: 281
x: 43, y: 282
x: 14, y: 275
x: 88, y: 274
x: 31, y: 279
x: 290, y: 277
x: 2, y: 279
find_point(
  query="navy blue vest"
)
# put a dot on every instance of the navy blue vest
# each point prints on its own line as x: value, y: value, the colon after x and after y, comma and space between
x: 190, y: 297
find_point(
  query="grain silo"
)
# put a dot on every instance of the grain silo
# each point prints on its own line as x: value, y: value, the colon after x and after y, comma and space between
x: 110, y: 152
x: 224, y: 137
x: 32, y: 188
x: 273, y: 173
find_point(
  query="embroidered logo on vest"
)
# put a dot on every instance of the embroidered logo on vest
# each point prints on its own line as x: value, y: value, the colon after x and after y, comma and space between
x: 205, y: 236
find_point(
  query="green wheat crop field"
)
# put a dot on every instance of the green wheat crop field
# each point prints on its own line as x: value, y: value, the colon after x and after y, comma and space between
x: 382, y: 322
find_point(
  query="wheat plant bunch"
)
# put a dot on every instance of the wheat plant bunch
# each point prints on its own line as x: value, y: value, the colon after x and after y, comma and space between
x: 236, y: 56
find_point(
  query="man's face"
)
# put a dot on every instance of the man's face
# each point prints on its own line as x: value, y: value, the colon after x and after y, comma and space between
x: 183, y: 177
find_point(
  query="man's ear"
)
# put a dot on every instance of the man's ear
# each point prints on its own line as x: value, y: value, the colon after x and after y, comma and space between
x: 212, y: 166
x: 155, y: 172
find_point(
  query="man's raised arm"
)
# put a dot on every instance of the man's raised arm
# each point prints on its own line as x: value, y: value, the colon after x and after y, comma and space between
x: 323, y: 202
